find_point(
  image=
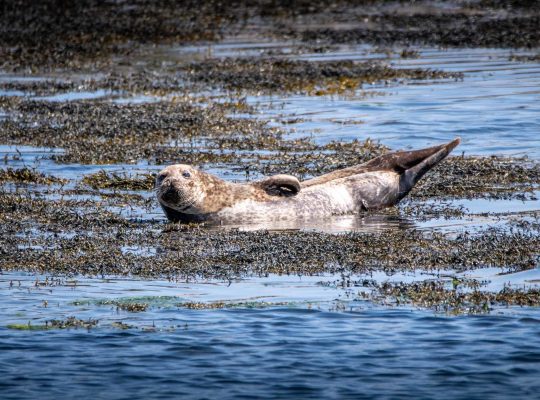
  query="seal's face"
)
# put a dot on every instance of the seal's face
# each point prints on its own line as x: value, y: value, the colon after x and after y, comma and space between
x: 179, y: 188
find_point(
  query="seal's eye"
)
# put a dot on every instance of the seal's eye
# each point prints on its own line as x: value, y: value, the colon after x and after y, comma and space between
x: 186, y: 174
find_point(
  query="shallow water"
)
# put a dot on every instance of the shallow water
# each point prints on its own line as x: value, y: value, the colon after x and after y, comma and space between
x: 306, y: 340
x: 293, y: 337
x: 495, y: 108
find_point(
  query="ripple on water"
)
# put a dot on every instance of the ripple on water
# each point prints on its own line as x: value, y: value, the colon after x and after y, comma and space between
x: 300, y: 350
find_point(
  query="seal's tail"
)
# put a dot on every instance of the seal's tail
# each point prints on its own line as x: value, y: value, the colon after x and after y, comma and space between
x: 416, y: 163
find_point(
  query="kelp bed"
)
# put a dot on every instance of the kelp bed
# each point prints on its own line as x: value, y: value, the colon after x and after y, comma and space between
x: 76, y: 35
x: 198, y: 114
x: 50, y: 229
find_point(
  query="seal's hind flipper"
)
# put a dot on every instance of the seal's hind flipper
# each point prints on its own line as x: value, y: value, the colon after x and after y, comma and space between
x: 415, y: 171
x: 401, y: 161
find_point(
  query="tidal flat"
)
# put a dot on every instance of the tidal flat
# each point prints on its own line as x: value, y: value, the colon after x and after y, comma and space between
x: 439, y: 294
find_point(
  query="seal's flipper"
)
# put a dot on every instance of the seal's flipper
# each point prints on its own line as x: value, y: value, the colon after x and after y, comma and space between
x: 401, y: 161
x: 280, y: 185
x: 415, y: 172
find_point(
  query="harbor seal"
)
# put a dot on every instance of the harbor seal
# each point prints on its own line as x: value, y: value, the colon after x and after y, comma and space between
x: 187, y: 194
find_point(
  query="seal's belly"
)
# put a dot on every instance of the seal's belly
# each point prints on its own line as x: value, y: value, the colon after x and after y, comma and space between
x: 342, y: 196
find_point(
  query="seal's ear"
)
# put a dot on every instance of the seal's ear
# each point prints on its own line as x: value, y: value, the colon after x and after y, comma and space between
x: 280, y: 185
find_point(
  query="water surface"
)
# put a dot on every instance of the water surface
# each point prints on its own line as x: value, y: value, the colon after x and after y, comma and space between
x: 310, y: 340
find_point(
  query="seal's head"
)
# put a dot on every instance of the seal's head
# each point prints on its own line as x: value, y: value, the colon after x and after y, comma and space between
x: 181, y: 188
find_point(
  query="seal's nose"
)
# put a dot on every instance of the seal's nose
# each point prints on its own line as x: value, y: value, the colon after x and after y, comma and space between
x: 171, y: 195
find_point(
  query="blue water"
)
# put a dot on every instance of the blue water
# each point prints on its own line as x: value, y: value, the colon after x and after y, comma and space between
x: 315, y: 341
x: 282, y: 353
x: 309, y: 340
x: 495, y: 108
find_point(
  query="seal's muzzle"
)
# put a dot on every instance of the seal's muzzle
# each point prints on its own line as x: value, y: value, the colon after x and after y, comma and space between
x: 171, y: 195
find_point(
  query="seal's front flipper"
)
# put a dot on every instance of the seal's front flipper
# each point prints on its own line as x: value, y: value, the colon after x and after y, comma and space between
x: 414, y: 173
x: 280, y: 185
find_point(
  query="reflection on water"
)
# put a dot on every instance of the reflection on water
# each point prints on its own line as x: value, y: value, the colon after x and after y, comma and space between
x: 494, y: 108
x: 368, y: 222
x: 74, y: 96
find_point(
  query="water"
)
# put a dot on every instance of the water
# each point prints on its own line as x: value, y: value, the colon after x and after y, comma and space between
x: 293, y: 337
x: 309, y: 341
x: 495, y: 108
x: 282, y: 353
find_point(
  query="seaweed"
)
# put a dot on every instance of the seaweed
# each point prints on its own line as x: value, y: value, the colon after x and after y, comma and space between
x: 27, y: 175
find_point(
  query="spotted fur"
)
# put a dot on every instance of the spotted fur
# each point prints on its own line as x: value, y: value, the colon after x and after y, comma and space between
x: 190, y: 195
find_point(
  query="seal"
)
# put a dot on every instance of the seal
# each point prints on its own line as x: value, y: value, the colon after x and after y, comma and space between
x: 187, y: 194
